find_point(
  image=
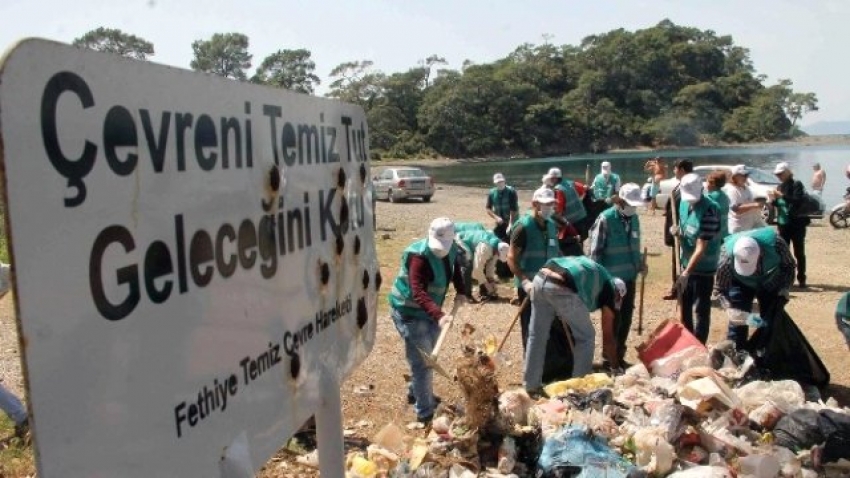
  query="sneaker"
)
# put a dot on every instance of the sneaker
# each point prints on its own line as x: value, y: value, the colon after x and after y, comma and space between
x: 670, y: 295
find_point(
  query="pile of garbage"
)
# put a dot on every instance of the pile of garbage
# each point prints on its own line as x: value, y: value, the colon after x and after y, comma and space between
x: 685, y: 411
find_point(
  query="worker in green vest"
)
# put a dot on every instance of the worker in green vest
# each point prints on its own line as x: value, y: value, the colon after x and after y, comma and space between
x: 502, y: 206
x: 699, y: 230
x: 534, y: 241
x: 482, y: 250
x: 571, y: 288
x: 469, y: 226
x: 569, y: 211
x: 754, y: 264
x: 842, y: 316
x: 615, y: 244
x: 416, y: 300
x: 606, y: 184
x: 714, y: 184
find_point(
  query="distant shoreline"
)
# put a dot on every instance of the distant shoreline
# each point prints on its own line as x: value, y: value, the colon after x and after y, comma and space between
x: 826, y: 140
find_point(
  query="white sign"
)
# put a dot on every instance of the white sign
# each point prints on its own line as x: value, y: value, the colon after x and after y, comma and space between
x: 174, y: 307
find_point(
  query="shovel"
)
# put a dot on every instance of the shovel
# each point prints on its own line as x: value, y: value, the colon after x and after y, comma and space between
x: 431, y: 359
x: 642, y: 284
x: 513, y: 323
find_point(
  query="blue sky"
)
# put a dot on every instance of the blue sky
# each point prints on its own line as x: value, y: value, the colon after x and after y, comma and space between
x: 805, y: 41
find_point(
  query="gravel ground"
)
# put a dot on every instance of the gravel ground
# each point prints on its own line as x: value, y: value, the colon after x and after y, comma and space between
x: 384, y: 369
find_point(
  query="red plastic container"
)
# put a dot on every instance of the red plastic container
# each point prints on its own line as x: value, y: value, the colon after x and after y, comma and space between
x: 668, y: 338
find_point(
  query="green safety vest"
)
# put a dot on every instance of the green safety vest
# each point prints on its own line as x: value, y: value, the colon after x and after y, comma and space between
x: 722, y: 200
x: 574, y: 209
x: 603, y: 188
x: 471, y: 239
x: 502, y: 201
x: 589, y: 278
x: 843, y: 308
x: 540, y: 246
x: 621, y: 255
x: 469, y: 226
x: 766, y: 239
x: 401, y: 297
x: 689, y: 222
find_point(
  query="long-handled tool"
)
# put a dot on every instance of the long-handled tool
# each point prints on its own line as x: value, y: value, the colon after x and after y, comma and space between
x: 643, y: 271
x: 519, y: 312
x: 431, y: 359
x: 676, y: 258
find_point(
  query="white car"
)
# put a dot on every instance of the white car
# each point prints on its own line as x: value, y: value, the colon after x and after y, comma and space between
x: 759, y: 181
x: 397, y: 184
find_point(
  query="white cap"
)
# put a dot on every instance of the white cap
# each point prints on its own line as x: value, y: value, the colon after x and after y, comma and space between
x: 781, y: 168
x: 498, y: 178
x: 619, y: 286
x: 691, y: 187
x: 441, y: 234
x: 746, y: 252
x: 543, y: 196
x: 554, y: 173
x: 503, y: 251
x: 606, y: 167
x: 739, y: 169
x: 630, y: 192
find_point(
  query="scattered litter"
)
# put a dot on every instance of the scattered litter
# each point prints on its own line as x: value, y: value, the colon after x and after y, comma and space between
x: 684, y: 411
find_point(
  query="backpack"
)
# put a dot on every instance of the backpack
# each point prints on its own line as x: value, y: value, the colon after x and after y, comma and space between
x: 808, y: 206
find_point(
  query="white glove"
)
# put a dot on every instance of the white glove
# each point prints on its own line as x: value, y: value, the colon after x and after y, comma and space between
x: 528, y: 287
x: 674, y: 230
x: 737, y: 317
x: 508, y: 230
x: 499, y: 220
x: 446, y: 320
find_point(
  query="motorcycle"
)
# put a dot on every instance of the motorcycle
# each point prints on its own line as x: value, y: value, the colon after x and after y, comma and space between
x: 839, y: 216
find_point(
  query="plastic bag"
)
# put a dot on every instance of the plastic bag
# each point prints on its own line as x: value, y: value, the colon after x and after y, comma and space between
x: 703, y: 472
x: 799, y: 430
x: 654, y: 453
x: 785, y: 353
x: 668, y: 338
x: 575, y: 446
x: 786, y: 394
x: 674, y: 364
x: 836, y: 428
x: 703, y: 394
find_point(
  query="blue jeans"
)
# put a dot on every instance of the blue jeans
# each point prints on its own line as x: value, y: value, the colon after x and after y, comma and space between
x: 13, y: 407
x: 697, y: 299
x: 741, y: 297
x: 418, y: 333
x: 549, y: 300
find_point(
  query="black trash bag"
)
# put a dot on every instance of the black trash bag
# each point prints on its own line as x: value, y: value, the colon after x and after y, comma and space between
x: 799, y: 430
x: 558, y: 364
x: 784, y: 353
x: 836, y: 428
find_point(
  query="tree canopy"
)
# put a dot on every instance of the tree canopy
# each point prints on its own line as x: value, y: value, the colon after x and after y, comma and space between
x: 667, y: 85
x: 664, y: 85
x: 289, y: 69
x: 225, y: 54
x: 112, y: 40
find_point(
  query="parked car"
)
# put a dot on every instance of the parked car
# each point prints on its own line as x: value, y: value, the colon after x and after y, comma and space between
x: 397, y: 184
x: 759, y: 181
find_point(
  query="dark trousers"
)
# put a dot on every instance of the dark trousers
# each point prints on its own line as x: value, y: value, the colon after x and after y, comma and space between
x: 794, y: 234
x: 501, y: 231
x: 524, y: 318
x: 697, y: 301
x: 624, y: 319
x: 741, y: 298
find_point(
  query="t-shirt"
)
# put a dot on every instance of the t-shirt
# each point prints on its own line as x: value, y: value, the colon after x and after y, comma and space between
x: 746, y: 220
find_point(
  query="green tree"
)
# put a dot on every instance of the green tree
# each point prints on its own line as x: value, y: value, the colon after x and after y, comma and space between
x: 289, y: 69
x: 112, y: 40
x: 225, y: 54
